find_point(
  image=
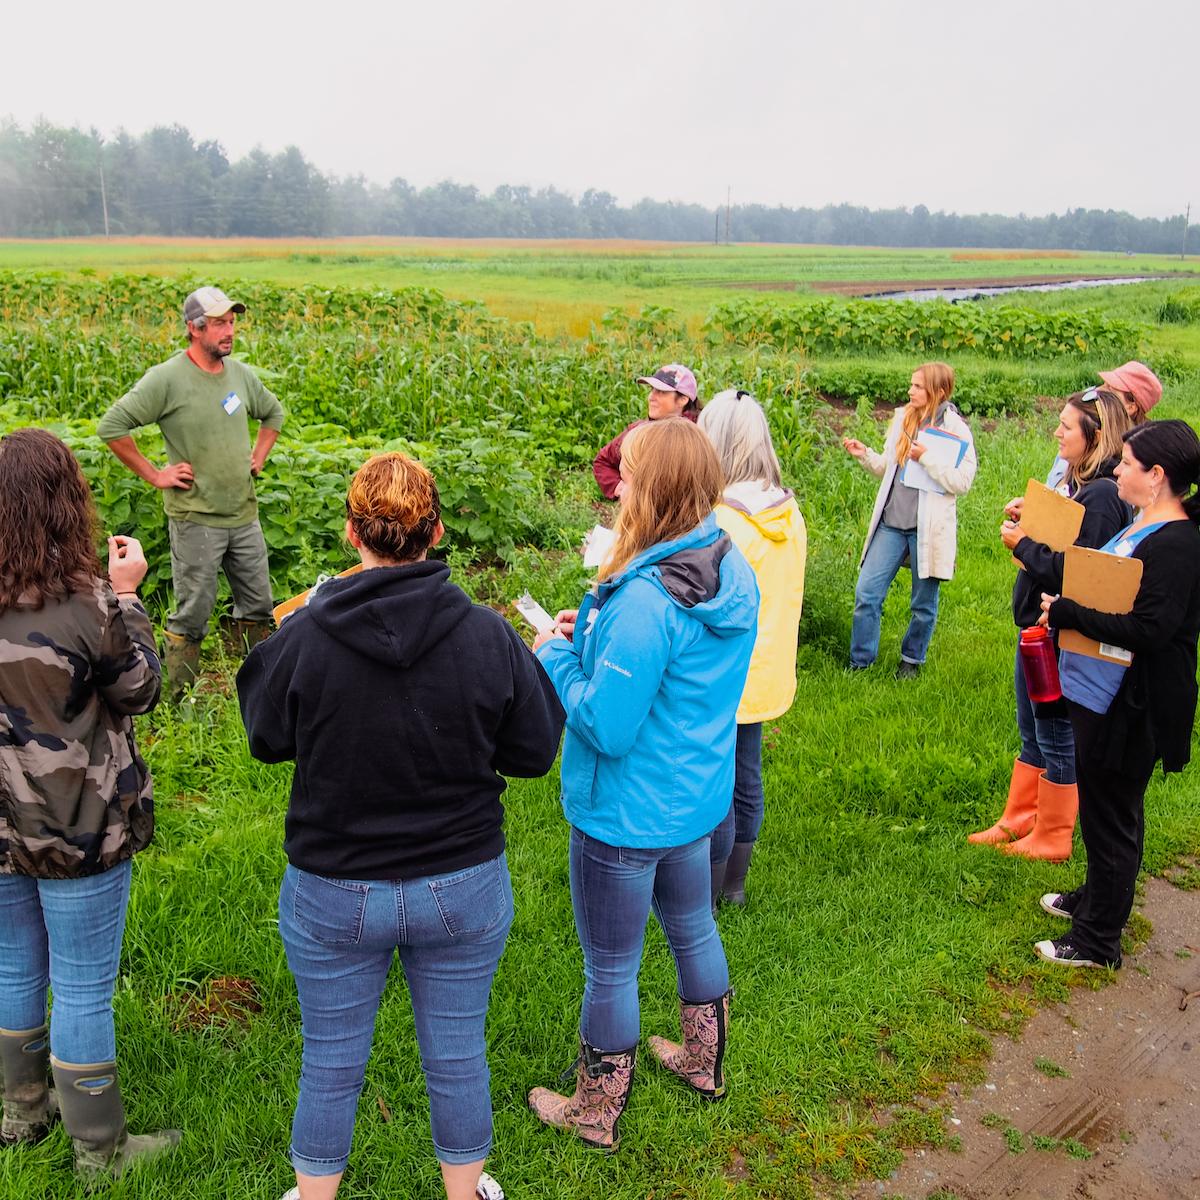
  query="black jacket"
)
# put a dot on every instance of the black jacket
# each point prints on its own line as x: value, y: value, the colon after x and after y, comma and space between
x: 1104, y: 514
x: 1151, y: 716
x: 402, y: 704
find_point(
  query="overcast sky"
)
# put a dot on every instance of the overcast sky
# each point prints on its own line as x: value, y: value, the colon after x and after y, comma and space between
x: 1006, y: 106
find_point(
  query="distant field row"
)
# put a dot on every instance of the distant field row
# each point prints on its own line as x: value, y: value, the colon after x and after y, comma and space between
x: 563, y: 286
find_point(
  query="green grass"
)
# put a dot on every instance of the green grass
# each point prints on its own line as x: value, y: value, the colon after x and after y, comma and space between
x: 877, y: 955
x: 562, y: 285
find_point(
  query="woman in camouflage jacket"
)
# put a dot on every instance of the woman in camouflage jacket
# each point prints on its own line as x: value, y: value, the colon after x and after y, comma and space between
x: 77, y: 660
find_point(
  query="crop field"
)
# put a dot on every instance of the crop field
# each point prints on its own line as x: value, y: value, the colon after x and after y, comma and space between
x: 879, y: 952
x: 564, y: 286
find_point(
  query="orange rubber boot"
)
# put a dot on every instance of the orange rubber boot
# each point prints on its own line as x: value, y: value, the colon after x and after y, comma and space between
x: 1058, y: 806
x: 1020, y: 811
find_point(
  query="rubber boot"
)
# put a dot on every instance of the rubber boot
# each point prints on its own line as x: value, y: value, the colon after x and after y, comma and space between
x: 1019, y: 813
x: 94, y: 1115
x: 593, y: 1113
x: 699, y: 1061
x: 718, y: 872
x: 1050, y: 839
x: 182, y: 660
x: 250, y: 633
x: 30, y: 1107
x: 735, y: 873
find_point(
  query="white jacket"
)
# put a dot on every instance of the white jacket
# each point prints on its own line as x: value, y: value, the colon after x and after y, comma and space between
x: 937, y: 524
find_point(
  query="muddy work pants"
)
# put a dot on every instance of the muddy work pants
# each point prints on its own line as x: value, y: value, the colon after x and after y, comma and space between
x: 198, y: 552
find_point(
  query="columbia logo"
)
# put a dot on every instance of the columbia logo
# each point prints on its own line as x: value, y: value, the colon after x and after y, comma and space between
x: 612, y: 666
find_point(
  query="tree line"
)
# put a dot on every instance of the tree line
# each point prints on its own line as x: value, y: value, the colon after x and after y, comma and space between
x: 63, y: 182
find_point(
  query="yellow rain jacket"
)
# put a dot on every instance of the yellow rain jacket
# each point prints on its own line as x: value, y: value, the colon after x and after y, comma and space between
x: 775, y: 542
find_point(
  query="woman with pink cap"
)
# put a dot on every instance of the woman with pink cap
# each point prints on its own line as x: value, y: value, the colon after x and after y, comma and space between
x: 672, y: 394
x: 1139, y: 388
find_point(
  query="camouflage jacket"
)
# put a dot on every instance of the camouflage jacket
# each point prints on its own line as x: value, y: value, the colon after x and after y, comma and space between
x: 75, y: 795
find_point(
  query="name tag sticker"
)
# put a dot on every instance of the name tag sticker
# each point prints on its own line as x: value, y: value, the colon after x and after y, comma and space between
x: 231, y: 403
x: 1124, y: 548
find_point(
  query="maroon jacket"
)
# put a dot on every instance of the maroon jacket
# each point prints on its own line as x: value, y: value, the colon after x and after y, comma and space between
x: 606, y: 466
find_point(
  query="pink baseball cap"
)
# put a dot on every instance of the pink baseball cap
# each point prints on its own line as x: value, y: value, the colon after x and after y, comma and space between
x: 674, y: 377
x: 1138, y: 380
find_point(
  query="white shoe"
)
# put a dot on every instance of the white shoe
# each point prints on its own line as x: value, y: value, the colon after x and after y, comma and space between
x: 488, y: 1188
x: 291, y: 1194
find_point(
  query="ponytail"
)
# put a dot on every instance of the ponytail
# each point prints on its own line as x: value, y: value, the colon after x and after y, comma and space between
x: 1174, y: 446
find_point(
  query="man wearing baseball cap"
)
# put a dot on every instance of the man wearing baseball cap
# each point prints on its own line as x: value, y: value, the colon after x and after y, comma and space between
x: 202, y: 401
x: 672, y: 394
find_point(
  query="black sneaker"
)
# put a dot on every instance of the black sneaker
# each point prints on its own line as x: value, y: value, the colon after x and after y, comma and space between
x: 908, y: 670
x: 1065, y: 953
x: 1061, y: 904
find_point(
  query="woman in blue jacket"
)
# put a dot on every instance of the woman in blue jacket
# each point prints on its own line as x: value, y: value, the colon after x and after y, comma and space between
x: 650, y: 671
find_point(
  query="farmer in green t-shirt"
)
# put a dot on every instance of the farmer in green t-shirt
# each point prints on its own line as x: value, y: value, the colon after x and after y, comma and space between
x: 201, y: 401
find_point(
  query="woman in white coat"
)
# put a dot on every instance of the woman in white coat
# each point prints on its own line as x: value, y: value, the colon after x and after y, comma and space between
x: 914, y: 517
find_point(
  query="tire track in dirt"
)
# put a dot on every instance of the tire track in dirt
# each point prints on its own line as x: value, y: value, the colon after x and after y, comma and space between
x: 1131, y: 1097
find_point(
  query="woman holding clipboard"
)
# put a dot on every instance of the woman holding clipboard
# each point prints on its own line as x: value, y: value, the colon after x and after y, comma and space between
x: 1042, y: 798
x: 928, y: 461
x: 1128, y: 717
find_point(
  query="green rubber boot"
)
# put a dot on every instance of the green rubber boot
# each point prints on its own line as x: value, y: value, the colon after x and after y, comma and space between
x: 182, y: 660
x: 30, y: 1107
x: 89, y: 1097
x: 250, y: 633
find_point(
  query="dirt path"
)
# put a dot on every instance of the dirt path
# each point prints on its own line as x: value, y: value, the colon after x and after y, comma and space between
x: 1131, y: 1094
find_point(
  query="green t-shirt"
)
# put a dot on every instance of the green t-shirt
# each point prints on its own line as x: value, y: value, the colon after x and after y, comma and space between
x: 203, y: 419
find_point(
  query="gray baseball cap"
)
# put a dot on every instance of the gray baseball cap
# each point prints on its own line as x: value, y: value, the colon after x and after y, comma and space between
x: 209, y: 302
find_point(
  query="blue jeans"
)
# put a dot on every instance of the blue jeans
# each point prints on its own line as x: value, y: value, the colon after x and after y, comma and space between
x: 340, y: 935
x: 745, y: 816
x: 885, y: 556
x: 64, y: 934
x: 1046, y: 742
x: 613, y: 890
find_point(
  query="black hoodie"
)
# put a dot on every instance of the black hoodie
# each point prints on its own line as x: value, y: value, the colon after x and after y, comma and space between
x: 402, y: 704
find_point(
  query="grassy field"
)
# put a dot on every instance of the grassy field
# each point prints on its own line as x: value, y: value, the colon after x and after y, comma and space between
x: 879, y: 951
x: 564, y: 286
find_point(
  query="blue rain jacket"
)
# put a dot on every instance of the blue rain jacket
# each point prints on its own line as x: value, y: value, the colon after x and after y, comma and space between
x: 651, y: 686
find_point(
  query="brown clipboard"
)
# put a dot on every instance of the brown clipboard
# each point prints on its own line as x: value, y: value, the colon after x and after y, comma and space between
x: 1109, y: 584
x: 1050, y: 517
x: 289, y: 606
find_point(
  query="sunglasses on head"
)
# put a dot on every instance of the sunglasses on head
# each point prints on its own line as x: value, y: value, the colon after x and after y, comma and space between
x: 1092, y: 396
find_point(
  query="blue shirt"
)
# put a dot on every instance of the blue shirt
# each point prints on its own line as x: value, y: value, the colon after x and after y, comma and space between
x: 1092, y: 682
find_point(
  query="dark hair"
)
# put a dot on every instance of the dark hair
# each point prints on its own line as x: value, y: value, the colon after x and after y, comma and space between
x: 394, y: 507
x: 1174, y: 446
x: 49, y: 521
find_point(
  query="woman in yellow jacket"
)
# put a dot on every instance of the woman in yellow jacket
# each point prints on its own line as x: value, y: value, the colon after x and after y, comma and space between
x: 761, y: 517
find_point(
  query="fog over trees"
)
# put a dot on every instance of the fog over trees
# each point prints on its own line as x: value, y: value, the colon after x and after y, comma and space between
x: 165, y: 183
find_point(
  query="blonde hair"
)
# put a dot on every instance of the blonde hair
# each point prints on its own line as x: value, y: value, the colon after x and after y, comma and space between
x: 672, y: 482
x: 737, y: 427
x: 1104, y: 426
x: 938, y: 378
x: 394, y: 507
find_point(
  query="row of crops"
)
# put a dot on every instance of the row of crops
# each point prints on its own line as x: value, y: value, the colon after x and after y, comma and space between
x: 500, y: 414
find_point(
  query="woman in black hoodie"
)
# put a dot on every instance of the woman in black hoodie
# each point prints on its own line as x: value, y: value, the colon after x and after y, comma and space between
x: 1043, y: 799
x: 402, y: 704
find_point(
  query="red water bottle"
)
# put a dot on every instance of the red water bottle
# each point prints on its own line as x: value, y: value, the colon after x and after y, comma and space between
x: 1039, y: 665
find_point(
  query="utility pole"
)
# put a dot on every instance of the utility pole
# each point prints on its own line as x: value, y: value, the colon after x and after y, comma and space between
x: 1186, y: 217
x: 717, y: 229
x: 728, y: 193
x: 103, y: 199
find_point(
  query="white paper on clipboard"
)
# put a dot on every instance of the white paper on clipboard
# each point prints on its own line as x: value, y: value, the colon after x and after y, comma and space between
x: 597, y: 544
x: 944, y: 449
x: 534, y: 613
